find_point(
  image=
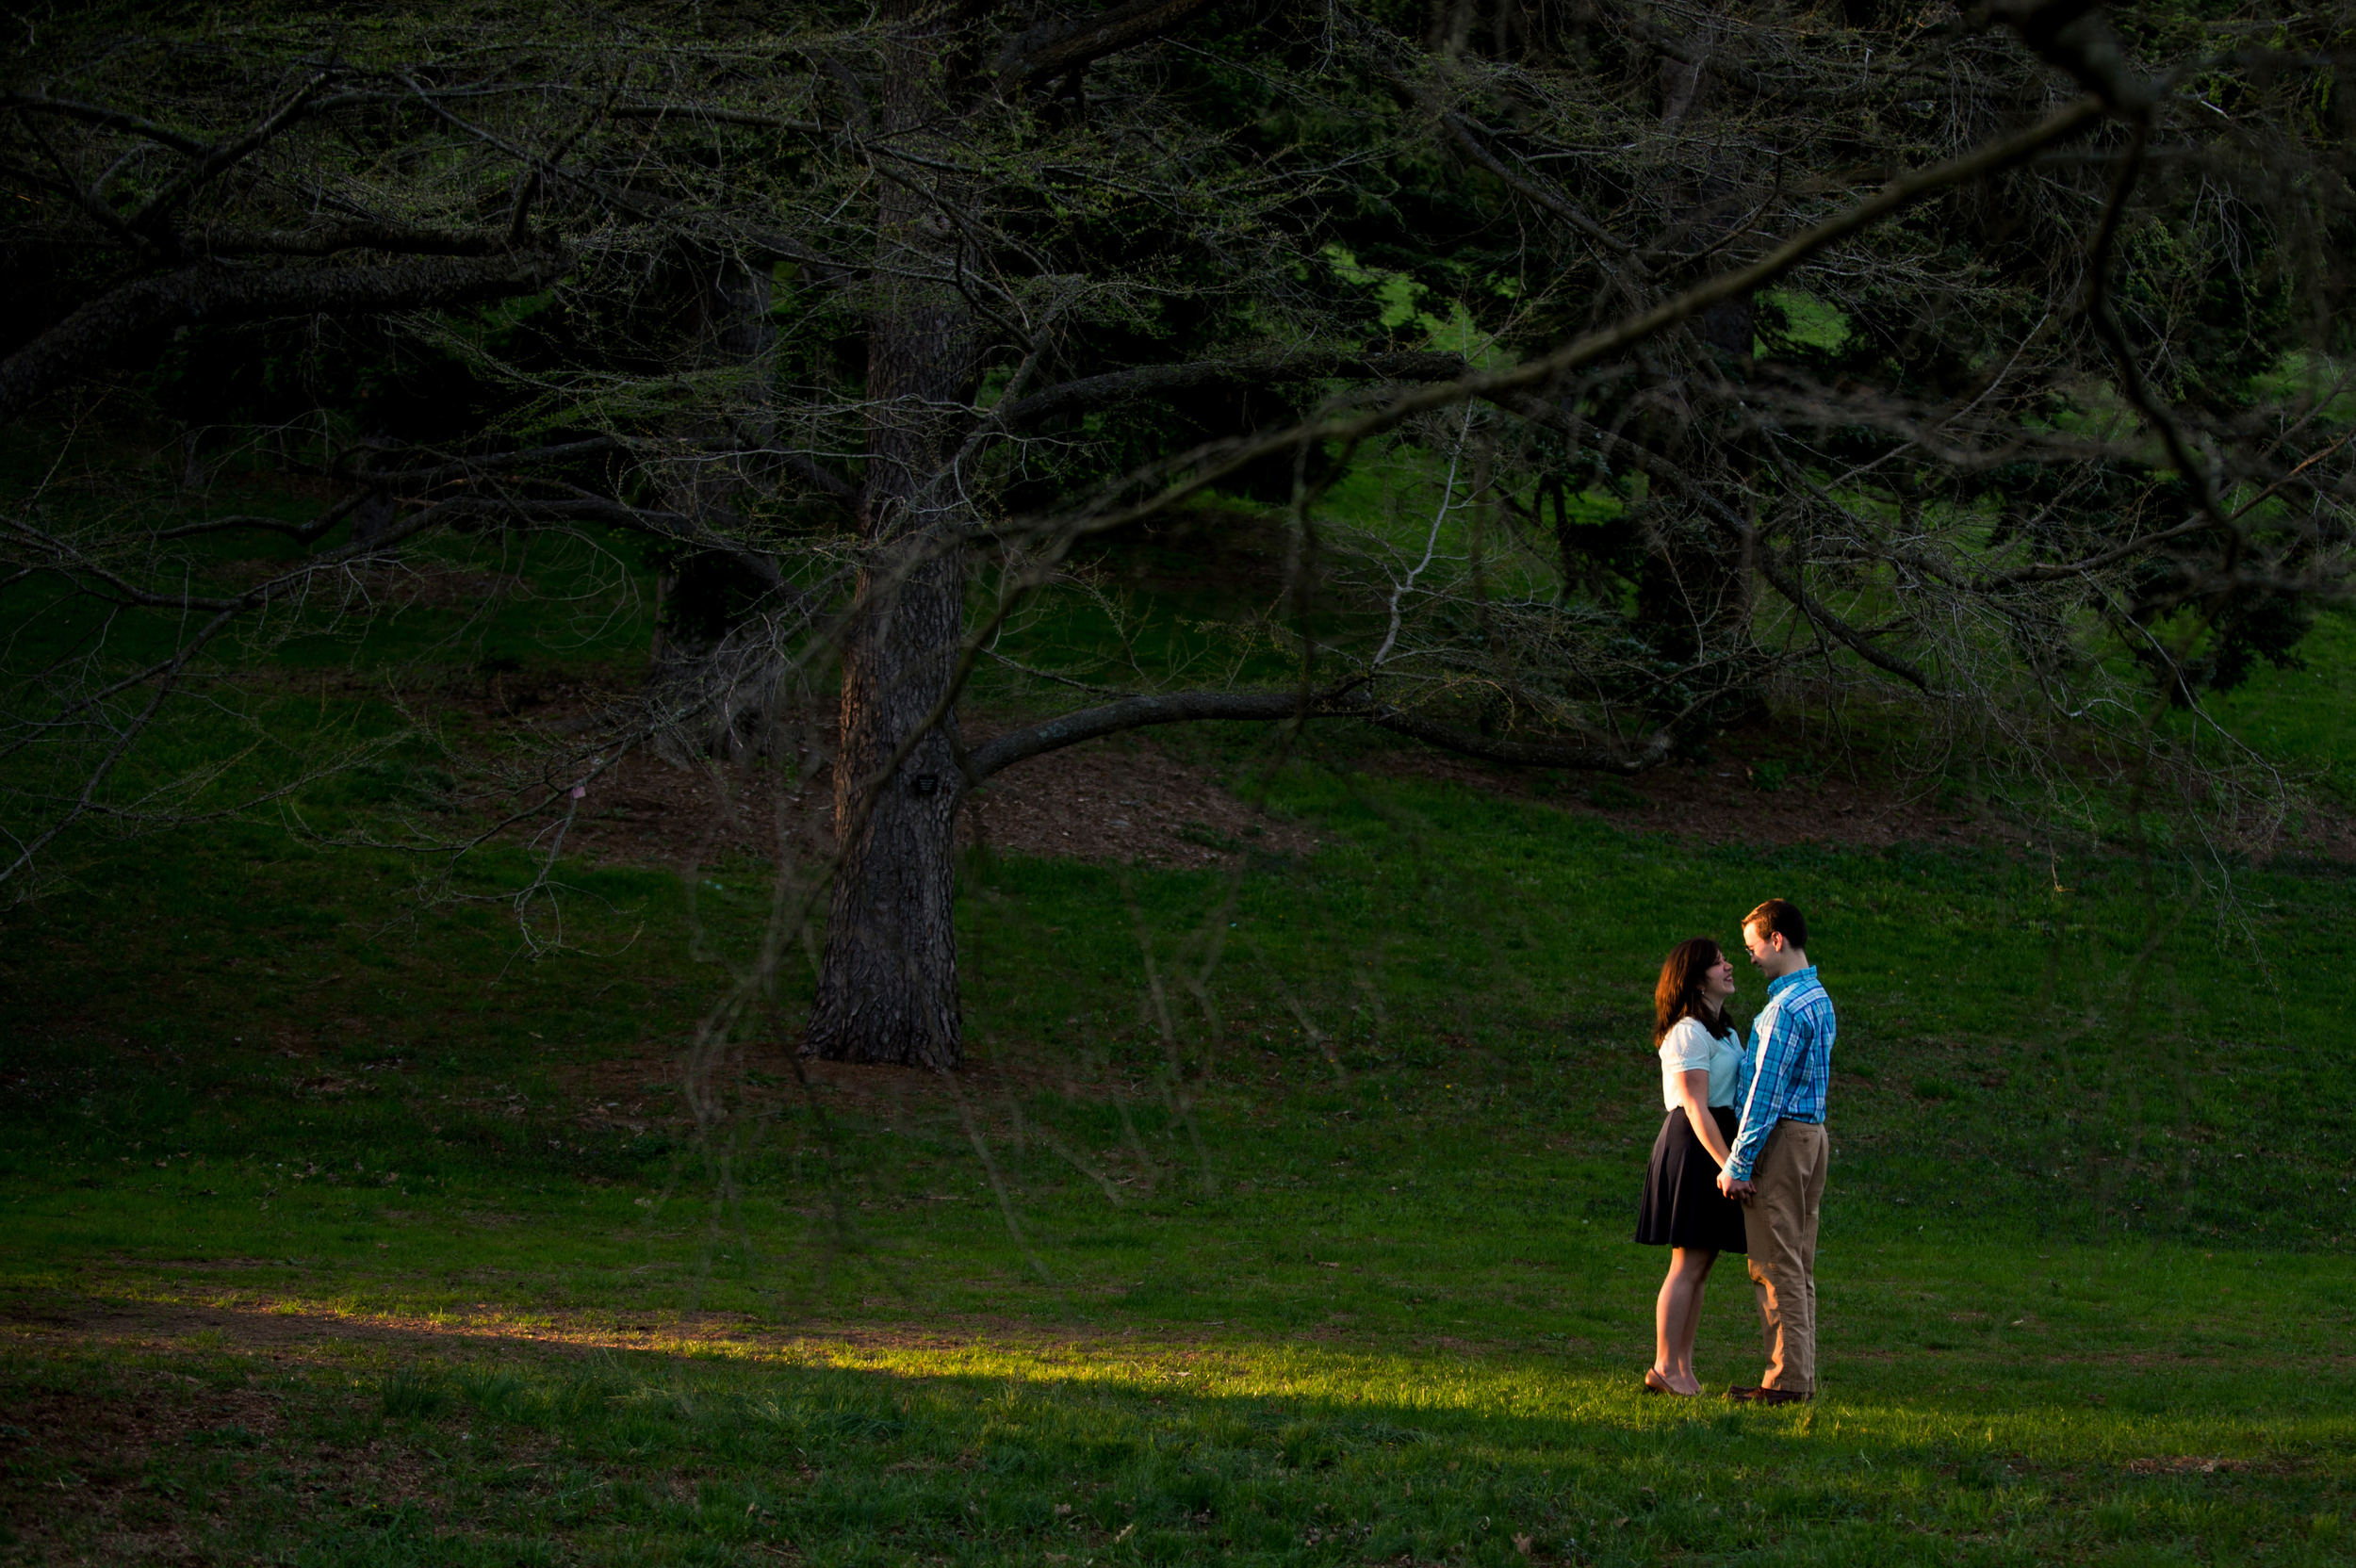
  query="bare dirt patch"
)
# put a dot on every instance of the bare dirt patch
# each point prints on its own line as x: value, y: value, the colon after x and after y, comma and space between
x: 298, y: 1332
x: 142, y: 1460
x: 2185, y: 1464
x: 1127, y: 800
x: 387, y: 588
x: 1124, y: 800
x: 645, y: 812
x: 1722, y: 801
x: 1752, y: 791
x: 1119, y: 801
x: 78, y: 1463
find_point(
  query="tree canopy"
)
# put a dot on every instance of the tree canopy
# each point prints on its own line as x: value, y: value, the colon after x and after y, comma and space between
x: 1982, y: 366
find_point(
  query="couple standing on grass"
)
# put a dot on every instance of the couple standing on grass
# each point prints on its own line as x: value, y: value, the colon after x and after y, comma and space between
x: 1739, y: 1166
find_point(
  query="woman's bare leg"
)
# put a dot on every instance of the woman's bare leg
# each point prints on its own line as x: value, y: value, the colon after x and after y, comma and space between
x: 1678, y: 1313
x: 1699, y: 1266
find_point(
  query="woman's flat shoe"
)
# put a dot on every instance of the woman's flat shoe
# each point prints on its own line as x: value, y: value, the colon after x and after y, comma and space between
x: 1656, y: 1383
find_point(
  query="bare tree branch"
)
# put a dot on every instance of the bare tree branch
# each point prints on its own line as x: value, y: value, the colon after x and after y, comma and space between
x: 213, y: 294
x: 1138, y: 713
x: 1051, y: 48
x: 1088, y: 393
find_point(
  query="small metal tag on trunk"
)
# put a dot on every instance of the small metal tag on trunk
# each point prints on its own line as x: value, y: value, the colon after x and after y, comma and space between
x: 927, y: 783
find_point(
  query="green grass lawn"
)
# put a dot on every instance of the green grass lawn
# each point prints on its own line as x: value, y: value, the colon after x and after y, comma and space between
x: 1280, y: 1218
x: 2301, y: 717
x: 341, y: 1231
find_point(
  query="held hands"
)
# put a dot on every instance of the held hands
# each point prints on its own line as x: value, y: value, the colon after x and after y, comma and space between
x: 1733, y: 1188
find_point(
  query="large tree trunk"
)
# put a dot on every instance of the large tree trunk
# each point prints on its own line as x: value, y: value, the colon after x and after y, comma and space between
x: 887, y: 983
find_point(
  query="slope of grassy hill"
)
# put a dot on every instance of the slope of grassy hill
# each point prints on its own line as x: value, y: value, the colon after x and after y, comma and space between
x: 1282, y: 1218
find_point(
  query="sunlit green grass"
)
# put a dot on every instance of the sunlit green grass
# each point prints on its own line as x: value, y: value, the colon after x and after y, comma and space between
x: 2082, y: 1218
x: 973, y: 1439
x: 1335, y: 1270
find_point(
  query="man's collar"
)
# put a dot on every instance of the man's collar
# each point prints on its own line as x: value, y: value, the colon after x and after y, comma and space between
x: 1786, y: 981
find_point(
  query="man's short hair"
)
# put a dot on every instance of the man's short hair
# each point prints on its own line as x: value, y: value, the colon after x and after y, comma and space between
x: 1781, y: 917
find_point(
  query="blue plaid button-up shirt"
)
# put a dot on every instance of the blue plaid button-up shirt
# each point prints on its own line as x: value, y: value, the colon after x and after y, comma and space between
x: 1787, y: 1069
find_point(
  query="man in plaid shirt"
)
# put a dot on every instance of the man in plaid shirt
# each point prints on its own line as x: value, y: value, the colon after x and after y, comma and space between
x: 1777, y: 1165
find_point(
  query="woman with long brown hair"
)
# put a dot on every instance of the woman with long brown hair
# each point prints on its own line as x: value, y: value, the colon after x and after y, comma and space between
x: 1683, y: 1210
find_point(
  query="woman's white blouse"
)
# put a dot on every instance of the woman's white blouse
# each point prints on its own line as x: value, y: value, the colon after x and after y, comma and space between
x: 1689, y: 1048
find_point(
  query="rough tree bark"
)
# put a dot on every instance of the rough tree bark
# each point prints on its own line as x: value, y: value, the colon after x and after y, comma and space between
x: 888, y: 985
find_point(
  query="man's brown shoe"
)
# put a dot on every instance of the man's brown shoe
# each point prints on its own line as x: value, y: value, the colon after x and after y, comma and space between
x: 1780, y: 1396
x: 1741, y: 1391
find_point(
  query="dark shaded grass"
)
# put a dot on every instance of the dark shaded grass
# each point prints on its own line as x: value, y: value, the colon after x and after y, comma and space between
x: 638, y: 1458
x: 2088, y: 1205
x: 1449, y: 976
x: 1401, y: 1221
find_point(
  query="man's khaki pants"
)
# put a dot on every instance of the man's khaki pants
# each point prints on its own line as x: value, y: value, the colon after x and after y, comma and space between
x: 1779, y: 1223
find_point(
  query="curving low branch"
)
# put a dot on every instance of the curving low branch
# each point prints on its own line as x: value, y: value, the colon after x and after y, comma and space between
x: 97, y: 114
x: 327, y: 239
x: 1136, y: 712
x: 1585, y: 757
x: 1090, y: 393
x: 1051, y: 49
x: 213, y: 293
x: 1141, y: 712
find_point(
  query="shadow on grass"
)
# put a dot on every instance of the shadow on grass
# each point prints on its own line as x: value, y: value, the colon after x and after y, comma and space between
x: 320, y: 1439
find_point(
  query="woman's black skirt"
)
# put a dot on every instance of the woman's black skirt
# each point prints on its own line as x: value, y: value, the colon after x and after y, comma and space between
x: 1682, y: 1205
